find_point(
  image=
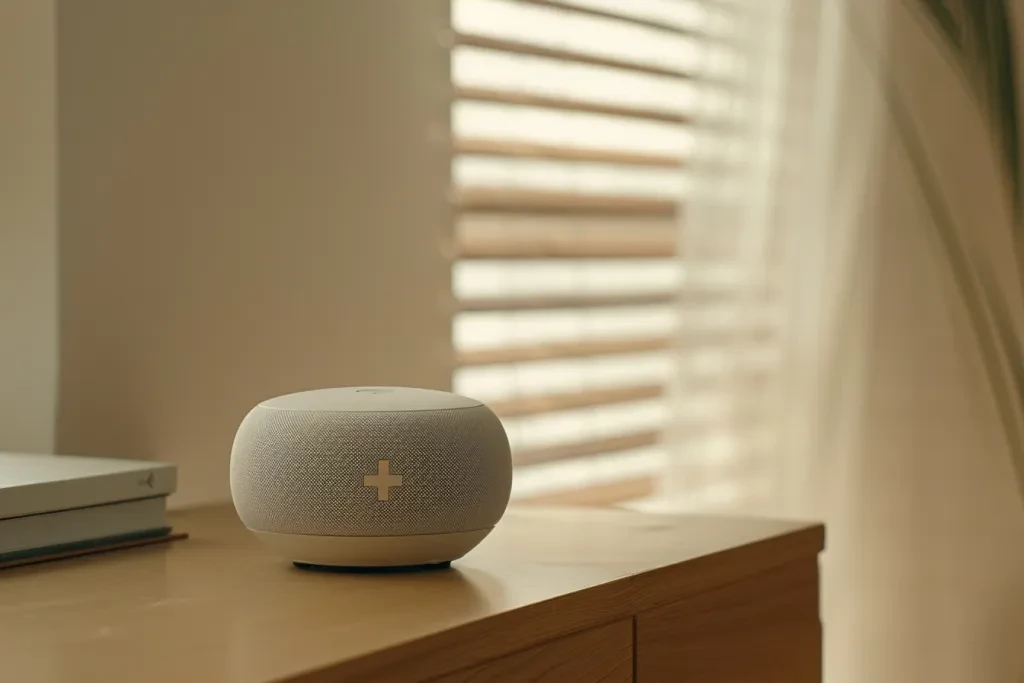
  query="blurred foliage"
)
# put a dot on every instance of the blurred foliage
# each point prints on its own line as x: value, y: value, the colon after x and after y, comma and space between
x: 978, y: 35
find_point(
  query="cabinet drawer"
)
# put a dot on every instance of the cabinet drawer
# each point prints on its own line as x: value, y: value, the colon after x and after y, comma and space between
x: 764, y: 629
x: 598, y: 655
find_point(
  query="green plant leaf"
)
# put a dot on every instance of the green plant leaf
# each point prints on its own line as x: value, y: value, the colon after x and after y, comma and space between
x: 1002, y: 341
x: 1011, y: 345
x: 942, y: 14
x: 979, y: 292
x: 980, y: 36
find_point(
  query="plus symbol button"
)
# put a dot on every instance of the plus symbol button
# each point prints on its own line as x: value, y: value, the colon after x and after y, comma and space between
x: 383, y: 480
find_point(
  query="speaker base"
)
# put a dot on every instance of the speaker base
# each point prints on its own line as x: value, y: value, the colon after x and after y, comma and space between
x: 412, y: 568
x: 372, y: 551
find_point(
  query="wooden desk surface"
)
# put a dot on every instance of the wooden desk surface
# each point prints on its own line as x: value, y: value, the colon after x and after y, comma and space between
x: 218, y: 607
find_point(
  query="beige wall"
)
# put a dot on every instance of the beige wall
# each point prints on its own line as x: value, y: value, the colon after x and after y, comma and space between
x: 28, y: 237
x: 252, y: 203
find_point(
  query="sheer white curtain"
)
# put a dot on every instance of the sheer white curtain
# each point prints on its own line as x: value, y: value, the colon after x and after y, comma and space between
x: 864, y: 257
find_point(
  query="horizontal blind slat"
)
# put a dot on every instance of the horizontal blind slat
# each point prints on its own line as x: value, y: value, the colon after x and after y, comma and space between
x: 543, y: 249
x: 543, y: 201
x: 619, y: 17
x: 581, y: 349
x: 585, y: 449
x: 524, y: 99
x: 588, y: 200
x: 731, y: 337
x: 525, y: 150
x: 532, y: 405
x: 565, y: 301
x: 595, y: 495
x: 521, y: 48
x: 554, y: 247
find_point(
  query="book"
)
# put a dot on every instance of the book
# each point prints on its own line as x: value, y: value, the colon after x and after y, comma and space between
x: 54, y: 532
x: 94, y: 547
x: 32, y: 484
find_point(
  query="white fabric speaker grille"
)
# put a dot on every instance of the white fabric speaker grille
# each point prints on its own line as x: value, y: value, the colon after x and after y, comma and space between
x: 301, y: 472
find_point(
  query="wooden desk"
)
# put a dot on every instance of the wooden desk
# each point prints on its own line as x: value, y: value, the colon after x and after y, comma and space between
x: 567, y: 596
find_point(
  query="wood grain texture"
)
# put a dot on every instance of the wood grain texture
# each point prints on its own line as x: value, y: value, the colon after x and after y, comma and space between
x: 534, y: 50
x: 220, y: 607
x: 620, y: 543
x: 763, y: 629
x: 598, y: 655
x: 526, y: 99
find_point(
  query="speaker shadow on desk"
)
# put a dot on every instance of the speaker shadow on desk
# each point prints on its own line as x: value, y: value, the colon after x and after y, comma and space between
x: 448, y: 592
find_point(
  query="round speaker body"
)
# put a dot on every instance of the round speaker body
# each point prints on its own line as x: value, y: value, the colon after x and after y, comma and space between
x: 371, y: 476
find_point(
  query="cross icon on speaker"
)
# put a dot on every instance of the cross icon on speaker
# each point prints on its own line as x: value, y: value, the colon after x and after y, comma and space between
x: 383, y: 480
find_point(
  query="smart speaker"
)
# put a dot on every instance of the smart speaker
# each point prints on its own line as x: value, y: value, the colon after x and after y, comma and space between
x: 371, y: 476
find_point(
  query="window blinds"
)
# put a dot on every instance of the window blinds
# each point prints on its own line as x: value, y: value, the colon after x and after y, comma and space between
x: 572, y: 140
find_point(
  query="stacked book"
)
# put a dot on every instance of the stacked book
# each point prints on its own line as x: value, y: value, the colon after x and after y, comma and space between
x: 51, y: 505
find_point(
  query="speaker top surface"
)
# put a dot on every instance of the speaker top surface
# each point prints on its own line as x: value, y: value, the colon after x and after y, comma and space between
x: 370, y: 400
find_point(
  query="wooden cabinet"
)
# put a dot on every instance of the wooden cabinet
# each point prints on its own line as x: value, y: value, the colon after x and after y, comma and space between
x: 764, y: 629
x: 552, y: 596
x: 603, y: 654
